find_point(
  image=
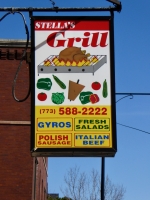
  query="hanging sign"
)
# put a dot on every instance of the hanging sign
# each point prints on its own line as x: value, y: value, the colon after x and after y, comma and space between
x: 73, y: 95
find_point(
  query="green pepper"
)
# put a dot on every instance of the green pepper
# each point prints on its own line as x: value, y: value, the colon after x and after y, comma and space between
x: 85, y: 97
x: 105, y: 90
x: 44, y: 83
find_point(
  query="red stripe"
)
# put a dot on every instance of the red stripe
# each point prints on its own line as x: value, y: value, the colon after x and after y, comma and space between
x: 78, y: 25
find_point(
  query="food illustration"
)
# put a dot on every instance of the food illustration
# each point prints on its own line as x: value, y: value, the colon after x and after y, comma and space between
x: 85, y: 97
x: 47, y: 63
x: 59, y: 82
x: 58, y: 98
x: 74, y: 90
x: 44, y: 83
x: 72, y: 60
x: 73, y: 54
x: 79, y: 61
x: 105, y: 89
x: 42, y: 96
x: 96, y: 85
x: 94, y: 98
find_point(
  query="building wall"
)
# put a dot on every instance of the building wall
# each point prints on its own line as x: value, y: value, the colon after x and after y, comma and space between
x: 17, y: 174
x: 41, y: 184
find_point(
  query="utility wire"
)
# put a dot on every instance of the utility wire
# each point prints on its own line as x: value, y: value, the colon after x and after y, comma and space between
x: 133, y: 128
x: 53, y: 3
x: 22, y: 58
x: 5, y: 16
x: 20, y: 64
x: 127, y: 95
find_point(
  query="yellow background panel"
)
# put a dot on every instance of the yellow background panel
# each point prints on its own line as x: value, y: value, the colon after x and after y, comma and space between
x: 92, y: 140
x: 54, y: 124
x: 54, y: 140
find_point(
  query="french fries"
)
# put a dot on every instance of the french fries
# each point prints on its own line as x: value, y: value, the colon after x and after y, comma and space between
x: 56, y: 62
x: 47, y: 63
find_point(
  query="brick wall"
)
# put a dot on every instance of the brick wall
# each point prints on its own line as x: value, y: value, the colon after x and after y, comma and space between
x: 41, y: 175
x: 16, y: 163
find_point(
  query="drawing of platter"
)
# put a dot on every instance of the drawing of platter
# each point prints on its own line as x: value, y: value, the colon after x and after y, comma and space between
x: 53, y: 65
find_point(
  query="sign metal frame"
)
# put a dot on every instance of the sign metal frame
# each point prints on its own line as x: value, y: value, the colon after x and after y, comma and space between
x: 76, y: 152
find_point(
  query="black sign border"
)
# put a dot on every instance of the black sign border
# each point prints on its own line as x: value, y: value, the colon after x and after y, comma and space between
x: 74, y: 152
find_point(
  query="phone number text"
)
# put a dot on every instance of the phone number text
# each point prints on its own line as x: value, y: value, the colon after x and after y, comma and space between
x: 76, y: 111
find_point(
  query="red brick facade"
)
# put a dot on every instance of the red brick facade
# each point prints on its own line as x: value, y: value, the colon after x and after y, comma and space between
x: 18, y: 168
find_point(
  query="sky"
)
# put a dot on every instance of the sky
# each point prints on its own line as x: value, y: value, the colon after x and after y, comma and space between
x: 131, y: 164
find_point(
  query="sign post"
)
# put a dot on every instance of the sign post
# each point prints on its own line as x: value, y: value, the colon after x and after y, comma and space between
x: 73, y: 87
